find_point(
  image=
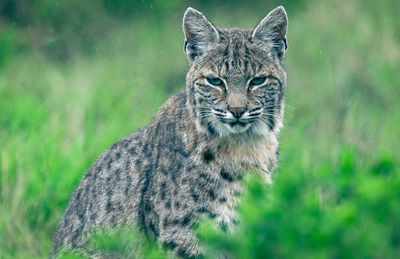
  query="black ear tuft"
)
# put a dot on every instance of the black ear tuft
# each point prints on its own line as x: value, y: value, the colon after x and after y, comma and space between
x: 272, y: 30
x: 199, y: 33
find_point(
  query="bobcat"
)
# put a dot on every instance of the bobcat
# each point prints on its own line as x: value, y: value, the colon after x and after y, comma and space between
x: 187, y: 164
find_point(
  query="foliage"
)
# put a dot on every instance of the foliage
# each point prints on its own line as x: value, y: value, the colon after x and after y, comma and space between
x: 345, y: 212
x: 74, y: 78
x: 124, y: 242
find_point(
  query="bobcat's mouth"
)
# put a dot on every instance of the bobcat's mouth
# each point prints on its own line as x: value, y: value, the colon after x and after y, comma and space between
x: 237, y: 123
x: 237, y: 126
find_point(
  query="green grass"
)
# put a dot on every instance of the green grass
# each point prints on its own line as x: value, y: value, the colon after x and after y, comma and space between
x: 337, y: 189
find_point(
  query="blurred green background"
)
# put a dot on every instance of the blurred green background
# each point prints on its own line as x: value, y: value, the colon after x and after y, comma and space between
x: 76, y: 76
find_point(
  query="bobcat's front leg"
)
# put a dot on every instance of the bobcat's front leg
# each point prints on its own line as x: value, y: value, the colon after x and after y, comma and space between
x: 182, y: 240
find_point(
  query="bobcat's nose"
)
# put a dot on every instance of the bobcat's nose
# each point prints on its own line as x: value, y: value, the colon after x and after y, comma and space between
x: 237, y: 111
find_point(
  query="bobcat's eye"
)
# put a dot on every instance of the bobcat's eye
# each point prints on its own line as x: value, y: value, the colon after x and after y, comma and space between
x: 215, y: 81
x: 257, y: 80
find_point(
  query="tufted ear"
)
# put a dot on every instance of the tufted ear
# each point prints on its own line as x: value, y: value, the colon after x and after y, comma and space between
x: 200, y: 34
x: 272, y: 30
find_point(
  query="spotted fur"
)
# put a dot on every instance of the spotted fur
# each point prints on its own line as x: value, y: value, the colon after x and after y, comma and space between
x: 187, y: 164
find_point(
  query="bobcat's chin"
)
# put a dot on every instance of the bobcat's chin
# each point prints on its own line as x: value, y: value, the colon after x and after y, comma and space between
x: 237, y: 127
x: 219, y: 129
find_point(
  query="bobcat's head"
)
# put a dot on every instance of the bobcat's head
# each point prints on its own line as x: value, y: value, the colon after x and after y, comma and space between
x: 236, y: 82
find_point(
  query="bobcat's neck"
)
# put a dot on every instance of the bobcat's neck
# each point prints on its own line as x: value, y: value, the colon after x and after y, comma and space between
x: 235, y: 154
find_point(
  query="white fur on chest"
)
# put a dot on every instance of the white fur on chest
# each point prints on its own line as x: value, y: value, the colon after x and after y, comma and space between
x: 237, y: 157
x: 258, y: 154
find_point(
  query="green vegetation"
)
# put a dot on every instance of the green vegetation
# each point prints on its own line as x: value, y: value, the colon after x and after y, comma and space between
x: 124, y: 242
x: 76, y: 77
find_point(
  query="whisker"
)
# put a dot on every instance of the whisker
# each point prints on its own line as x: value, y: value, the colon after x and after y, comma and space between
x: 255, y: 114
x: 255, y: 109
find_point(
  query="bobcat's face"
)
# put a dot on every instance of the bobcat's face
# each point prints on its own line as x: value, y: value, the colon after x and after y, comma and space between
x: 238, y: 87
x: 236, y: 81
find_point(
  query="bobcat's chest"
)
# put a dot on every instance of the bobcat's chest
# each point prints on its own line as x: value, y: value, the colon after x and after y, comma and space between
x: 259, y: 155
x: 230, y: 162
